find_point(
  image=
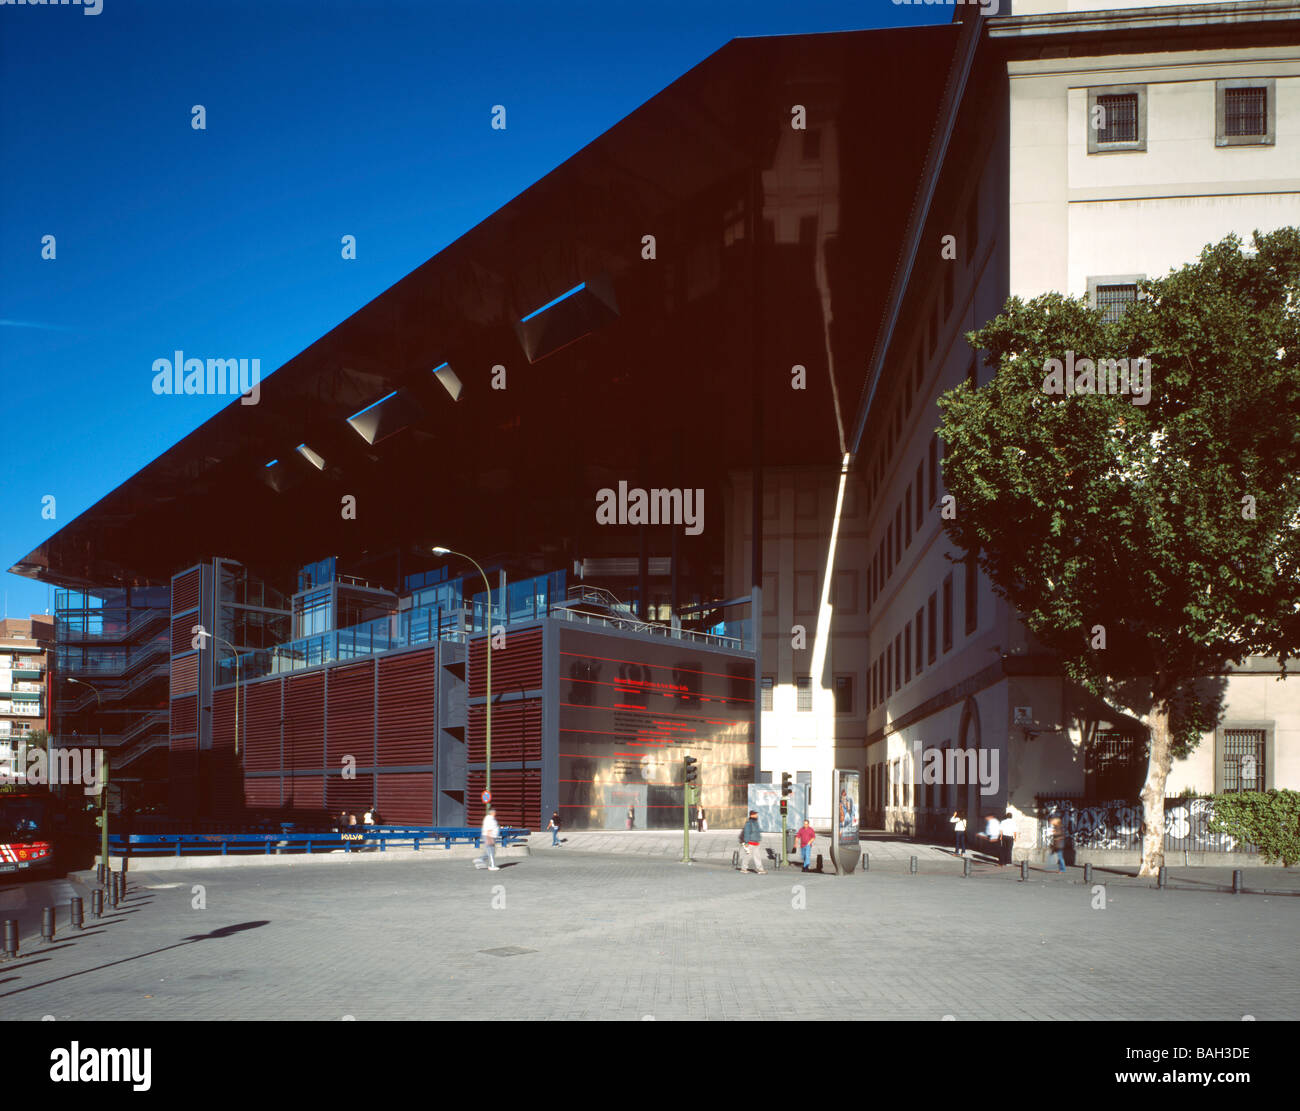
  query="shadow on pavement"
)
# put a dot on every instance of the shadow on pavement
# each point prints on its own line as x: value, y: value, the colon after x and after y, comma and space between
x: 222, y: 932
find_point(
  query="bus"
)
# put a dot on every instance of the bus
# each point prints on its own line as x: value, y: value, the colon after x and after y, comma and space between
x: 26, y: 833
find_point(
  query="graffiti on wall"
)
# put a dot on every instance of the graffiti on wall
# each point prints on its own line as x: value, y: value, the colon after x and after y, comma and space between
x: 1118, y: 825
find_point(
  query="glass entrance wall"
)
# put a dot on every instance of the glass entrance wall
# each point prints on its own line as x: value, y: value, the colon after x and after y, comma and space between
x: 631, y: 711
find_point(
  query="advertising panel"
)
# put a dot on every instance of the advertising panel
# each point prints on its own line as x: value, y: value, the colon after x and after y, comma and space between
x: 845, y: 848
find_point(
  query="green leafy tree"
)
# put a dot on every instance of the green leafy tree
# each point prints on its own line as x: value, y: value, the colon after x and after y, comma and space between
x: 1150, y: 545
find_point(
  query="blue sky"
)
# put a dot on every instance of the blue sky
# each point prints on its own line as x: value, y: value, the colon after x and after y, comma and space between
x: 323, y: 119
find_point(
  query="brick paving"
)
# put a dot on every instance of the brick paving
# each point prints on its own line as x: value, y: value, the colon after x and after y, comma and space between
x: 609, y: 935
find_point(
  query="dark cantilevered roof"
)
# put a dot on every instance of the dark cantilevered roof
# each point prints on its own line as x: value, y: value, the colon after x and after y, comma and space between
x: 648, y: 374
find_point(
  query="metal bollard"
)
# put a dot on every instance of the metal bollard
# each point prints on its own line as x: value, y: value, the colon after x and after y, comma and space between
x: 11, y: 937
x: 965, y: 866
x: 113, y: 892
x: 1087, y: 873
x: 911, y: 865
x: 97, y: 903
x: 1162, y: 877
x: 1024, y: 870
x: 866, y: 862
x: 47, y: 924
x: 77, y: 914
x: 1236, y: 881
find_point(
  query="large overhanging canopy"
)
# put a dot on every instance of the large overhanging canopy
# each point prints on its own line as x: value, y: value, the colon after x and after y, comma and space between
x: 646, y: 371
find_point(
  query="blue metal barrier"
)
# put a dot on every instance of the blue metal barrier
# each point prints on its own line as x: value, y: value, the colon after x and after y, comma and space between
x: 354, y: 838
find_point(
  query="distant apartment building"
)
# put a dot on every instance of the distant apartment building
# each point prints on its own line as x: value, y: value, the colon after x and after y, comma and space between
x: 25, y: 646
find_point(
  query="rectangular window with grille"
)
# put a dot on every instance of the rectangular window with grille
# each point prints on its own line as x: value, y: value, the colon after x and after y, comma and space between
x: 1118, y: 119
x: 844, y: 694
x: 1115, y: 766
x: 907, y: 653
x: 1245, y: 111
x: 931, y: 628
x: 971, y: 592
x: 920, y: 637
x: 1114, y: 300
x: 769, y: 681
x: 803, y: 686
x: 1242, y: 760
x: 947, y: 613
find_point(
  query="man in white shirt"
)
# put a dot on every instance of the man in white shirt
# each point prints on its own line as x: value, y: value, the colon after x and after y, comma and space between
x: 1008, y: 837
x: 490, y: 832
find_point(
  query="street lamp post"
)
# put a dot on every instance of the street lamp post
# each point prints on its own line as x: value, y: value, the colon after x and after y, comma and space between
x: 488, y: 647
x: 235, y: 650
x: 103, y: 786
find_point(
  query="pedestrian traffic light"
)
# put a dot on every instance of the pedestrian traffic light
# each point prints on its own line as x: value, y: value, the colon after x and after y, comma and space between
x: 785, y: 787
x: 783, y: 806
x: 690, y: 772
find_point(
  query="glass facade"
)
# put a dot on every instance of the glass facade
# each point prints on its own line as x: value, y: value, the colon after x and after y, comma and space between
x: 626, y: 724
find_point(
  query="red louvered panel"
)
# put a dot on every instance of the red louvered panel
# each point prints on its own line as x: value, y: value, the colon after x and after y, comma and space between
x: 264, y: 791
x: 185, y: 674
x: 224, y: 782
x: 223, y: 717
x: 304, y: 721
x: 183, y: 635
x: 259, y: 725
x: 516, y: 731
x: 407, y: 708
x: 185, y: 591
x: 517, y: 796
x: 352, y: 795
x: 351, y: 717
x: 406, y: 798
x: 304, y: 792
x: 516, y: 667
x: 185, y: 715
x: 182, y: 778
x: 182, y: 748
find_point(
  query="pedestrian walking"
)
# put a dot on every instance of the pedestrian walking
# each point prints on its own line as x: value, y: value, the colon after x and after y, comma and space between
x: 751, y: 840
x: 554, y: 827
x: 631, y: 816
x: 805, y: 837
x: 1008, y: 831
x: 490, y: 832
x: 992, y: 834
x: 958, y: 821
x: 1058, y: 844
x: 700, y: 824
x: 368, y: 818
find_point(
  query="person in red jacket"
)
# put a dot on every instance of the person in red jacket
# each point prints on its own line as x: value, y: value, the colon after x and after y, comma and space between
x: 805, y: 838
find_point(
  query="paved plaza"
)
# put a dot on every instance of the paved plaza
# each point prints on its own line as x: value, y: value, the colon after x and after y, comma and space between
x: 618, y: 935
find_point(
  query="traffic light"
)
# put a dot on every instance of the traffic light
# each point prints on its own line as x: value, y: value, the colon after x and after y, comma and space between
x: 691, y: 773
x: 786, y: 789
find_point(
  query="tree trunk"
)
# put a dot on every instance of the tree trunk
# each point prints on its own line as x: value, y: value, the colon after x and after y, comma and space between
x: 1153, y: 792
